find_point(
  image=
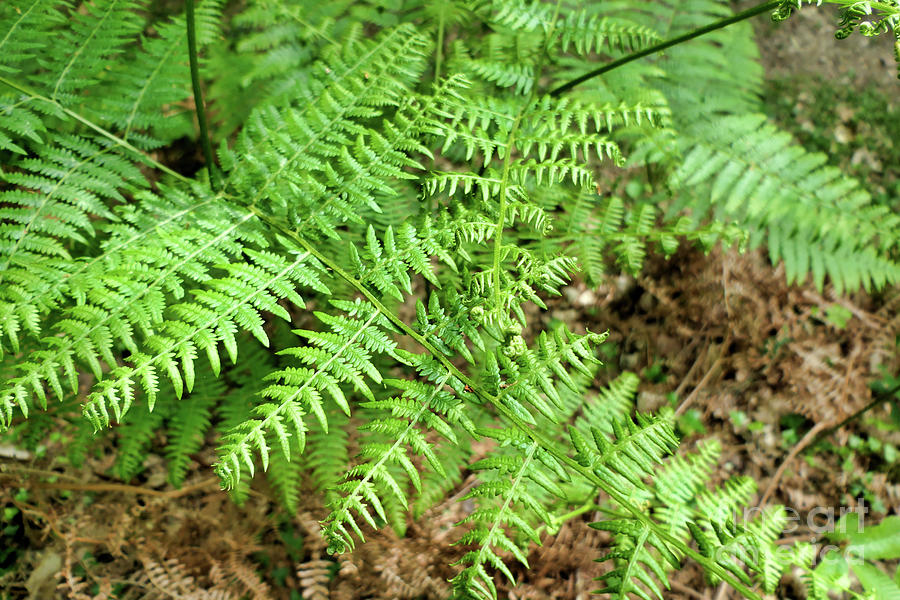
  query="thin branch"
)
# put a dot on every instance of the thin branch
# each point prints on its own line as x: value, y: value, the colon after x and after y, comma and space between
x: 696, y: 391
x: 819, y: 431
x: 123, y: 488
x: 880, y: 398
x: 680, y: 587
x: 198, y: 98
x: 695, y: 33
x: 805, y: 442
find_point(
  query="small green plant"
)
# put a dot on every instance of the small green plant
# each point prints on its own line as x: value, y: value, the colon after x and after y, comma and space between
x: 861, y: 545
x: 387, y: 172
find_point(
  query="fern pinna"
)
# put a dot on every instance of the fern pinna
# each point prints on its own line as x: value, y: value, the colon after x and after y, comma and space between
x: 375, y: 157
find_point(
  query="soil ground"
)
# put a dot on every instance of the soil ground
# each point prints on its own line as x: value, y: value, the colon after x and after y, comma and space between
x: 805, y: 45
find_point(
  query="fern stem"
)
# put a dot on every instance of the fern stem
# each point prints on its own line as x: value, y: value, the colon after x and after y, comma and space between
x: 91, y: 125
x: 588, y: 506
x: 439, y: 53
x: 695, y: 33
x: 507, y: 163
x: 536, y: 436
x: 501, y: 217
x: 198, y: 97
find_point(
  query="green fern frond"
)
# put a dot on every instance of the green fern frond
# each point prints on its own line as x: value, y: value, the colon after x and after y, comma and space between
x: 530, y: 373
x: 451, y: 327
x: 612, y: 404
x: 225, y: 306
x: 342, y: 355
x: 600, y: 229
x: 721, y: 504
x: 136, y: 435
x: 285, y: 476
x: 582, y: 29
x: 137, y: 92
x: 316, y: 162
x: 549, y: 128
x: 272, y: 42
x: 83, y: 42
x: 787, y: 195
x: 133, y: 264
x: 21, y: 123
x: 641, y: 560
x: 420, y: 408
x: 763, y: 531
x: 406, y: 173
x: 638, y: 445
x: 22, y: 23
x: 687, y: 510
x: 677, y: 485
x: 61, y: 189
x: 245, y: 380
x: 523, y: 15
x: 589, y: 33
x: 510, y: 482
x: 736, y: 168
x: 437, y: 484
x: 188, y: 422
x: 327, y: 457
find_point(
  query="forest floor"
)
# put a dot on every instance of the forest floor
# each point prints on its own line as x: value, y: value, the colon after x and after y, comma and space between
x: 766, y: 368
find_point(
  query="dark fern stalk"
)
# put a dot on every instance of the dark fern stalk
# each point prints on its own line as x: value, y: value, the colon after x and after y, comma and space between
x: 214, y: 181
x: 680, y: 39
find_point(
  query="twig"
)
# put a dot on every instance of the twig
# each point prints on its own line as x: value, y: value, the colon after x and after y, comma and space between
x: 880, y: 398
x: 818, y: 431
x: 42, y: 472
x: 799, y: 447
x: 687, y: 377
x: 680, y: 587
x: 14, y: 453
x: 123, y: 488
x: 706, y: 378
x: 722, y: 592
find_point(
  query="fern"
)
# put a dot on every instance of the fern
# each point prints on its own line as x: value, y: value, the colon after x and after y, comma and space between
x: 400, y: 186
x: 509, y: 491
x: 327, y: 454
x: 735, y: 167
x: 136, y: 437
x: 419, y: 408
x: 188, y: 424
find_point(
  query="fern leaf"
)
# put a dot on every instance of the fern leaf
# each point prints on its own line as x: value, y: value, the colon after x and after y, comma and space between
x: 225, y: 306
x: 373, y: 484
x: 341, y: 355
x: 188, y: 423
x: 505, y: 495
